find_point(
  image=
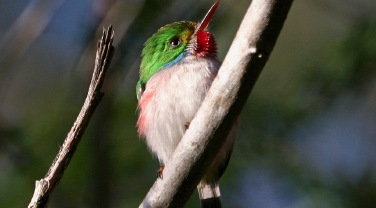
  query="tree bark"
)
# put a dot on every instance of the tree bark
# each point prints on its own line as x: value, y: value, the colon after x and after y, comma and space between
x: 45, y: 186
x: 228, y: 94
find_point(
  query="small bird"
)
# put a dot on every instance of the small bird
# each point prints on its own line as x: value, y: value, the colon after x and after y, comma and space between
x: 179, y: 63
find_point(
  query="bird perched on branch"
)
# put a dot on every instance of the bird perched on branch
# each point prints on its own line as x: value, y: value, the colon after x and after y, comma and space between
x: 179, y: 63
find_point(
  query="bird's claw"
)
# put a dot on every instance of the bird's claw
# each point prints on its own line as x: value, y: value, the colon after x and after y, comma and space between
x: 160, y: 172
x: 187, y: 125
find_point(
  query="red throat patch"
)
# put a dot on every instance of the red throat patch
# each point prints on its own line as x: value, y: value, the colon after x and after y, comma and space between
x: 206, y: 45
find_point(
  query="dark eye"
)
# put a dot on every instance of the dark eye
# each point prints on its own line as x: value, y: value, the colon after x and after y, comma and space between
x: 175, y: 42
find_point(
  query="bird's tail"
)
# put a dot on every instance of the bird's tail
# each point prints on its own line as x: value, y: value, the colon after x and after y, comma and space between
x: 209, y: 194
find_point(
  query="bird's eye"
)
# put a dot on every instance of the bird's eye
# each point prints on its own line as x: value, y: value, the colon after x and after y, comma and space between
x: 175, y: 42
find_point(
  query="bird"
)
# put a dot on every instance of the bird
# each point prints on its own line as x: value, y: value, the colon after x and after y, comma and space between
x: 178, y: 65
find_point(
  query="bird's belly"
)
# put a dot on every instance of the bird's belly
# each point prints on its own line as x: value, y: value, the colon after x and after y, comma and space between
x: 169, y: 103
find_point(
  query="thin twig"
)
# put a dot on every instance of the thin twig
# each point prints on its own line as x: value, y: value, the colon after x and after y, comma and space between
x: 228, y: 94
x: 45, y: 186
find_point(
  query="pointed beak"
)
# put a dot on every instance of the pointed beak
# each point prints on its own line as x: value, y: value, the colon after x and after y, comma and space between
x: 205, y: 22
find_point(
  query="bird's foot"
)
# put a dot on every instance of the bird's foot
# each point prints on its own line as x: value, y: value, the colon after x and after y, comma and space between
x: 160, y: 172
x: 187, y: 125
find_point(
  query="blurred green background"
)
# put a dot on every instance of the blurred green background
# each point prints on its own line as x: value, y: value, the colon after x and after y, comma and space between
x: 307, y: 135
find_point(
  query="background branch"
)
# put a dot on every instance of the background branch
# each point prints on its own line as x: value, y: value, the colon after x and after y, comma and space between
x: 244, y: 62
x: 45, y: 186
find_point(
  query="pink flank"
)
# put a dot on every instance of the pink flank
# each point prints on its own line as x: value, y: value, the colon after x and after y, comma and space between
x: 141, y: 123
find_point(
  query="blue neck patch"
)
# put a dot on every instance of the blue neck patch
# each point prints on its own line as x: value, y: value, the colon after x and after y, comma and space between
x: 176, y: 60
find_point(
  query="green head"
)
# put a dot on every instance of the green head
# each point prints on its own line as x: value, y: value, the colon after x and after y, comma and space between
x: 174, y: 41
x: 165, y: 46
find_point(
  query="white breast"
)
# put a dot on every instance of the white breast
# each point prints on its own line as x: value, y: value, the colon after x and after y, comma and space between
x: 170, y: 101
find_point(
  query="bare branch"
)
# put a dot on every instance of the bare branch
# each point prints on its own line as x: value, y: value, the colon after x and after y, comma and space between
x: 45, y: 186
x: 230, y: 90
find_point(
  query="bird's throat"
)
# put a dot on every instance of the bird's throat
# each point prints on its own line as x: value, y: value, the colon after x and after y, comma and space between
x: 205, y: 45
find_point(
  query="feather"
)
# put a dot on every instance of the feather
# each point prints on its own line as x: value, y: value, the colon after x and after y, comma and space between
x: 210, y: 195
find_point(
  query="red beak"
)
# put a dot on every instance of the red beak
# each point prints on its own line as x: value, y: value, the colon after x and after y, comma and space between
x: 205, y: 22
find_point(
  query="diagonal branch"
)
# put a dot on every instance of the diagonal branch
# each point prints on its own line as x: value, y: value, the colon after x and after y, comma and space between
x: 45, y: 186
x: 230, y: 90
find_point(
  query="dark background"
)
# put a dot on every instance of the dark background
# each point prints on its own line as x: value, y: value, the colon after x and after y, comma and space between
x: 307, y: 134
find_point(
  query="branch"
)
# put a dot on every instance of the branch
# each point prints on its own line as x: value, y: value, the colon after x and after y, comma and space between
x: 228, y: 94
x: 45, y: 186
